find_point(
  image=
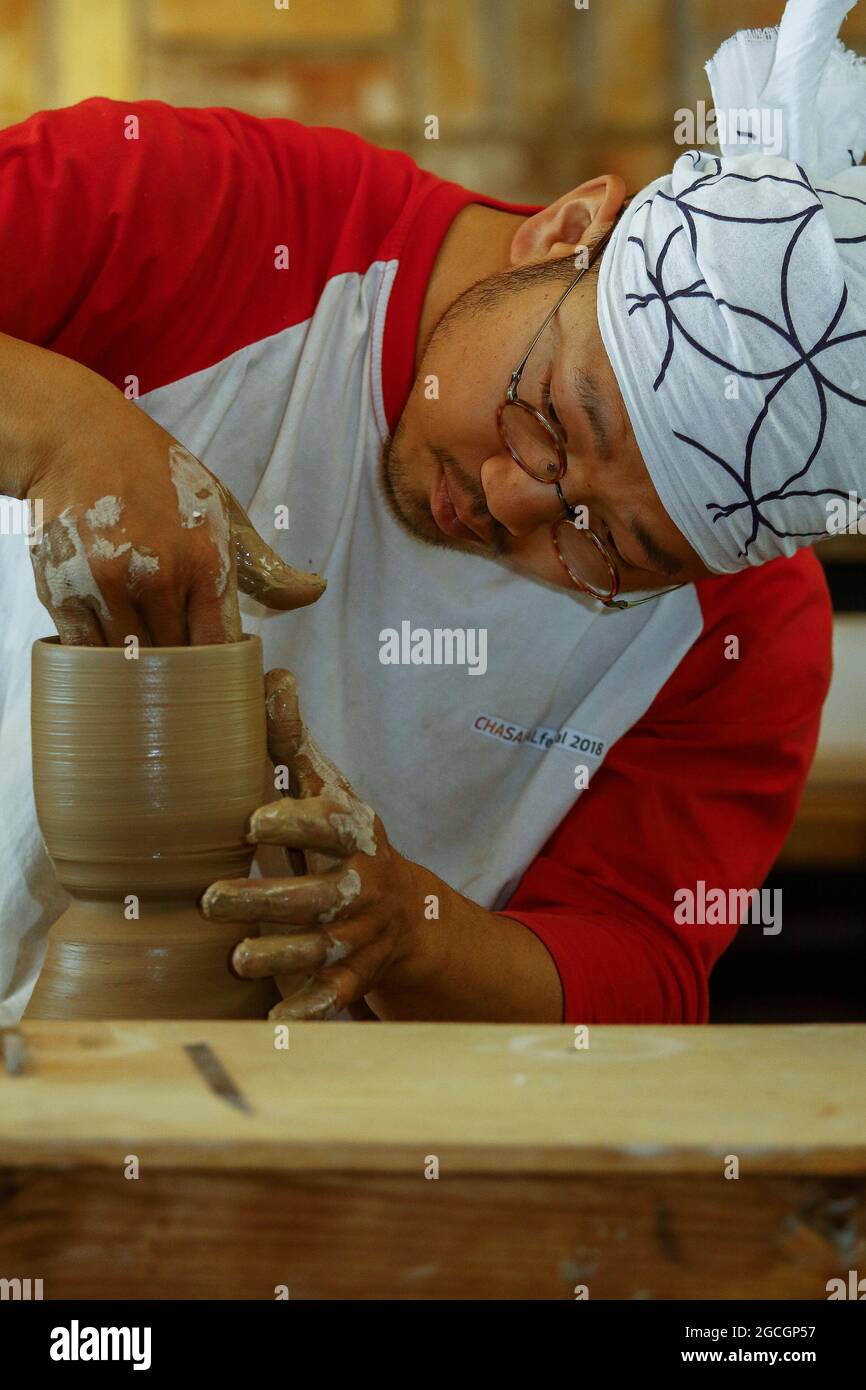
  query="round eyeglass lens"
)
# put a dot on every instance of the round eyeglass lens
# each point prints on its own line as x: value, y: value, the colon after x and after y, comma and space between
x: 531, y: 441
x: 582, y: 558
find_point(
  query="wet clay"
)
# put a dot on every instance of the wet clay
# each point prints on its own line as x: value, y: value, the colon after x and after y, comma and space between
x: 145, y: 774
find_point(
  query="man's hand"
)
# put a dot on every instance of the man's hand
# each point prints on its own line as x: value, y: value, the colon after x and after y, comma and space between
x: 338, y: 929
x: 139, y: 538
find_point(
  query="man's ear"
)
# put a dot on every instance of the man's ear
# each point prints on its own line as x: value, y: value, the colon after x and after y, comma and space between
x: 578, y: 218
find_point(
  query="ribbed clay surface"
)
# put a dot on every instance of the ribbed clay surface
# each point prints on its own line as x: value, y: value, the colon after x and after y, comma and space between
x: 145, y: 772
x: 145, y: 775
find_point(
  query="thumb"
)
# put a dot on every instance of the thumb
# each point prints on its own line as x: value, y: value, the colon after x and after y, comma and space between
x: 261, y: 572
x: 286, y: 729
x: 291, y: 744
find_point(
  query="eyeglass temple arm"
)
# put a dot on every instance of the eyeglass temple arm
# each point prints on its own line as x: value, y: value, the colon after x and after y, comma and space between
x: 518, y: 370
x: 636, y: 603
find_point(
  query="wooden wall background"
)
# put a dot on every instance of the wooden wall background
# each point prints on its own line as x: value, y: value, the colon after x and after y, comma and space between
x: 532, y: 95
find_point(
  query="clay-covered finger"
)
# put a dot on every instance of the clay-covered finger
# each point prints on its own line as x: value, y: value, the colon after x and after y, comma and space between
x: 260, y: 571
x: 76, y: 615
x: 123, y: 574
x: 124, y: 623
x: 77, y: 625
x: 210, y: 573
x: 308, y: 900
x: 327, y: 824
x: 65, y: 584
x: 164, y: 613
x: 336, y: 986
x: 80, y: 625
x: 86, y: 573
x: 285, y: 955
x: 212, y: 616
x: 317, y: 1000
x: 290, y: 984
x: 285, y: 725
x: 166, y: 623
x: 291, y: 744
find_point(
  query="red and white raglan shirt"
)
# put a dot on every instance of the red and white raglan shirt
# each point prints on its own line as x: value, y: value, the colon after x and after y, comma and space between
x: 155, y: 259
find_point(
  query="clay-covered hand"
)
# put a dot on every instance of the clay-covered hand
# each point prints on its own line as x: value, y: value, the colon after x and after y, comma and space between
x: 139, y: 538
x: 342, y: 925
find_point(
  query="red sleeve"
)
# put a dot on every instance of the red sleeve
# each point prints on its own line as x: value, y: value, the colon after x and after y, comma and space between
x: 156, y: 255
x: 704, y: 787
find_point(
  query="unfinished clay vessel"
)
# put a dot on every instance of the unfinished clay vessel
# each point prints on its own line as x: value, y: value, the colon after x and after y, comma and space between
x: 145, y: 773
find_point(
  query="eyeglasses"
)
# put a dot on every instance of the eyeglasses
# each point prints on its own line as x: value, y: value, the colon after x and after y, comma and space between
x: 536, y: 445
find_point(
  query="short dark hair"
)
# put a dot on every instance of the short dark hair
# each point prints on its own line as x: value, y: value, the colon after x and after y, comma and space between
x: 562, y: 269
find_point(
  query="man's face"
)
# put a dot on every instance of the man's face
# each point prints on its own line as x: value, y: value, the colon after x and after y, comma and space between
x: 449, y: 478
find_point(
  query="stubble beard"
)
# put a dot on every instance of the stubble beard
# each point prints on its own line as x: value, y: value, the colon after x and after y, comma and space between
x: 403, y: 502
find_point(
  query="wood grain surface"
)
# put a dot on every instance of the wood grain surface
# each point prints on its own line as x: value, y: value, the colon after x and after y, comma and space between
x: 89, y: 1234
x: 412, y: 1161
x: 484, y: 1098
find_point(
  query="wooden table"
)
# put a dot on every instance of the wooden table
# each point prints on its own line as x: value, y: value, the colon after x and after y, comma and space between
x: 558, y: 1167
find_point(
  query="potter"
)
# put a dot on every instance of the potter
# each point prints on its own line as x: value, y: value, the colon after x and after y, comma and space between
x: 481, y: 417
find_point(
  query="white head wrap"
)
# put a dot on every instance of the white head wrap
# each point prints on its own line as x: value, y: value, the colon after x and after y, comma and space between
x: 732, y: 299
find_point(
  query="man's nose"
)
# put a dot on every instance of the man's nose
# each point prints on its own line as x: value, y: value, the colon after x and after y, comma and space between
x: 515, y: 499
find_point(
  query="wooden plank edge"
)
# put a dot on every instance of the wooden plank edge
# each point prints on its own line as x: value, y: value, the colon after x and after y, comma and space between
x: 383, y: 1160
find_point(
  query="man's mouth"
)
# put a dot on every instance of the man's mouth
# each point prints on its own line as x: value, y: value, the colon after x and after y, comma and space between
x: 446, y: 515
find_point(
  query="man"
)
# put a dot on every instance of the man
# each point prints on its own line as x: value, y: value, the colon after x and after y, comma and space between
x: 342, y: 339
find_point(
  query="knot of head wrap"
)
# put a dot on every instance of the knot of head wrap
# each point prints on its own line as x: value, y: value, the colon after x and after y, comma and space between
x: 732, y: 300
